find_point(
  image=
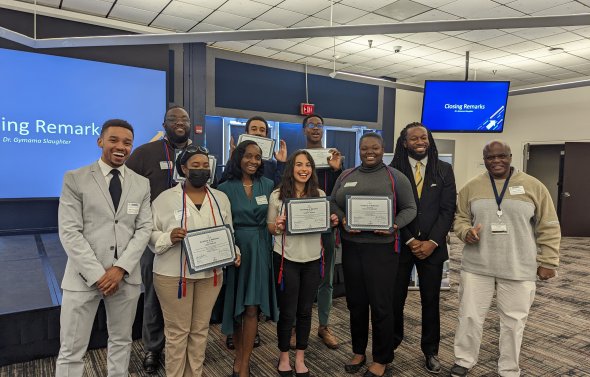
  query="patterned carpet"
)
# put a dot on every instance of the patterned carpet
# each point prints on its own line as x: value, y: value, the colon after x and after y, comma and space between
x: 556, y: 340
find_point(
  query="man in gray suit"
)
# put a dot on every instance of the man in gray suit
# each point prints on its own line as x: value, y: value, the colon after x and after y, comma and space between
x: 105, y: 223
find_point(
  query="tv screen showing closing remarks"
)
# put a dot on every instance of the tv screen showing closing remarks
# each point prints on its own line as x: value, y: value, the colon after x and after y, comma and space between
x: 52, y: 109
x: 465, y: 106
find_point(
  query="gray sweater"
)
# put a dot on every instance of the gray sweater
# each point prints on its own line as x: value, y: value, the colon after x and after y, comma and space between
x: 373, y: 181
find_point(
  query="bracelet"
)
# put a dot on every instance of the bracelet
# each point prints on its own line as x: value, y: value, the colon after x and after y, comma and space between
x: 278, y: 232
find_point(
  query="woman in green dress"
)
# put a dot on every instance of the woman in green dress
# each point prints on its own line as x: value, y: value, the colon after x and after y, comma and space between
x: 250, y: 287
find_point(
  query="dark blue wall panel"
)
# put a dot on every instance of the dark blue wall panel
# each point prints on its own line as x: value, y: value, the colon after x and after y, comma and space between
x: 258, y: 88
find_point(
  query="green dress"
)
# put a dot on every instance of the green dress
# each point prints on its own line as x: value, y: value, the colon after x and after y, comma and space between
x: 252, y: 282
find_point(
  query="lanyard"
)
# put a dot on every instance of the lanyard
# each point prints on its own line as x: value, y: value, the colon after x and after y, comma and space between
x: 501, y: 196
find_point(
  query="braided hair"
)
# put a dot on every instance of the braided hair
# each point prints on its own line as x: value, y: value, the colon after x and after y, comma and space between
x: 400, y: 157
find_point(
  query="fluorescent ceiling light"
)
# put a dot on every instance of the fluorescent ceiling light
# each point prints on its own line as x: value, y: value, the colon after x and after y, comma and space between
x: 380, y: 81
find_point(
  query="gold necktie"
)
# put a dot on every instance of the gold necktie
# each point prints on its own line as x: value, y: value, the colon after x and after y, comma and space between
x: 418, y: 179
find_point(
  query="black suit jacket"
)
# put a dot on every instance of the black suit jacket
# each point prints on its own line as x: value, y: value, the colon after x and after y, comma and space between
x: 436, y: 211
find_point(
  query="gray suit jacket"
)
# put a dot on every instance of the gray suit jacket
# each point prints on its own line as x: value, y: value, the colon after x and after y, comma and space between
x: 90, y: 230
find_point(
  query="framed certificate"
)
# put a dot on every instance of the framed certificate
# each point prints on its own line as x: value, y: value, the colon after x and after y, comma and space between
x: 308, y: 215
x: 320, y: 157
x: 364, y: 212
x: 209, y: 248
x: 266, y: 145
x: 212, y: 167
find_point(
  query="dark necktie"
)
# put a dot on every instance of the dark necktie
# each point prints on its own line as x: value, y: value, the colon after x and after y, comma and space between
x: 115, y: 188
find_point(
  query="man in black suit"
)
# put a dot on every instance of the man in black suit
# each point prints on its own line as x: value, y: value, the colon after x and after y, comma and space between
x: 424, y: 239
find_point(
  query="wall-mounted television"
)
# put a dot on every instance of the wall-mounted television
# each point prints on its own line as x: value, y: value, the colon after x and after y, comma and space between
x: 52, y: 109
x: 465, y: 106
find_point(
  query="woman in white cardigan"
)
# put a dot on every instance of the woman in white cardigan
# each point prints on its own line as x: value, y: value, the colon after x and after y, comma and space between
x: 186, y: 299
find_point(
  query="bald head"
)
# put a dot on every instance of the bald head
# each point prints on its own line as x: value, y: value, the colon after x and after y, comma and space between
x: 497, y: 158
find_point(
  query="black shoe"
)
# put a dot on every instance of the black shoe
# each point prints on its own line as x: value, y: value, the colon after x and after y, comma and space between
x: 257, y: 341
x: 354, y: 368
x: 284, y: 373
x: 151, y: 361
x: 229, y: 342
x: 458, y: 371
x: 368, y: 373
x: 302, y: 374
x: 432, y: 364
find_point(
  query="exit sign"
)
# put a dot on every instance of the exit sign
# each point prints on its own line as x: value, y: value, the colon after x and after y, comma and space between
x: 307, y: 108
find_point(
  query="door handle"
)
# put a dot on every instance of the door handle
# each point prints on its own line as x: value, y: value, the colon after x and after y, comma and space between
x: 566, y: 194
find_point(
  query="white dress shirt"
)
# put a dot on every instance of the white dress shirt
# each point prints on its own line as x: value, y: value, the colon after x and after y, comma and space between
x: 106, y: 171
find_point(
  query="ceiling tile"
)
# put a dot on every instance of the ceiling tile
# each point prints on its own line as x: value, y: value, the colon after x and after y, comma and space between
x: 563, y: 59
x: 277, y: 44
x: 490, y: 54
x: 421, y: 51
x: 282, y: 17
x: 433, y: 15
x: 434, y: 3
x: 378, y: 40
x: 269, y: 2
x: 498, y: 12
x: 559, y: 39
x: 225, y: 19
x: 125, y: 13
x: 355, y: 59
x: 173, y: 23
x: 535, y: 33
x: 449, y: 43
x: 245, y: 8
x: 308, y: 7
x: 508, y: 59
x: 259, y: 51
x: 232, y: 45
x: 211, y: 4
x: 312, y: 21
x: 444, y: 56
x: 402, y: 10
x: 480, y: 35
x: 188, y: 11
x: 426, y: 38
x: 376, y: 52
x: 392, y: 46
x: 350, y: 47
x: 312, y: 60
x: 260, y: 25
x: 576, y: 45
x: 438, y: 66
x: 584, y: 32
x: 152, y: 5
x: 304, y: 49
x: 369, y: 6
x: 533, y: 54
x: 564, y: 9
x: 582, y: 68
x: 503, y: 40
x: 585, y: 53
x: 419, y: 62
x: 203, y: 27
x: 47, y: 3
x: 532, y: 6
x: 522, y: 47
x: 377, y: 63
x: 468, y: 8
x: 372, y: 19
x: 324, y: 42
x: 342, y: 13
x: 93, y: 7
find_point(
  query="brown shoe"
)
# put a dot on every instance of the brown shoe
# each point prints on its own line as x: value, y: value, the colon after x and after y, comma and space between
x: 329, y: 340
x: 293, y: 340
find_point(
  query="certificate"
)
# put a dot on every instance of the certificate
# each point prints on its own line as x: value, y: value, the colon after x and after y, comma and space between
x: 266, y: 145
x: 308, y: 215
x: 320, y: 157
x: 209, y: 248
x: 365, y: 212
x: 212, y: 168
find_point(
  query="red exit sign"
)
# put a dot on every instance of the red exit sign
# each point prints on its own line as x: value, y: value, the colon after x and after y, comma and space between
x: 306, y: 108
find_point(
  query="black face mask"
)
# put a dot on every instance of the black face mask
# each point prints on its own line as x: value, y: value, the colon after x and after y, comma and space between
x: 198, y: 177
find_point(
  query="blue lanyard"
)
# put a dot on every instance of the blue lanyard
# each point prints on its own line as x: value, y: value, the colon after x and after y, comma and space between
x: 501, y: 196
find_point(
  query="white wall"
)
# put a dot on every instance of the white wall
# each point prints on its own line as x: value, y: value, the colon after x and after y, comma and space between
x: 541, y: 118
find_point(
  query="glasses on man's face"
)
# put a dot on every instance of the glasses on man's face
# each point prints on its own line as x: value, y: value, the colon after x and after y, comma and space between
x: 311, y: 125
x: 492, y: 157
x: 177, y: 120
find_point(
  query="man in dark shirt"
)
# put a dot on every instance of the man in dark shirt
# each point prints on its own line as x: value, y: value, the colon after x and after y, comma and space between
x: 155, y: 161
x: 424, y: 239
x: 313, y: 129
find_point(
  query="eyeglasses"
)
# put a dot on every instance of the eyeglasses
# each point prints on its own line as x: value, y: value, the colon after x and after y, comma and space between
x: 196, y: 149
x: 311, y: 125
x: 491, y: 158
x: 177, y: 120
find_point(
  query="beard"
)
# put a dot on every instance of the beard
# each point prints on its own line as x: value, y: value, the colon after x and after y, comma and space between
x: 176, y: 139
x: 417, y: 156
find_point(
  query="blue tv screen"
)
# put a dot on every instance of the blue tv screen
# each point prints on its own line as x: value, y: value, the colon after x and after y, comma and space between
x: 465, y: 106
x: 52, y: 109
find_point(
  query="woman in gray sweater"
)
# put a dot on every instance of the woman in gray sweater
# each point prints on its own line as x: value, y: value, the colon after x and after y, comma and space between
x: 370, y: 258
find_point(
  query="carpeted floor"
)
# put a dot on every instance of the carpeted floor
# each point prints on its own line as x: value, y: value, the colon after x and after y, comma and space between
x: 556, y: 340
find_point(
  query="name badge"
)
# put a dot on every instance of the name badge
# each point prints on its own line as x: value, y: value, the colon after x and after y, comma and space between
x: 165, y: 165
x: 499, y: 228
x: 132, y: 208
x: 350, y: 184
x: 178, y: 214
x: 261, y: 200
x: 516, y: 190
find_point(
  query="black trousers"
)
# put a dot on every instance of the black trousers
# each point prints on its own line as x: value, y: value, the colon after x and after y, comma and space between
x: 152, y: 330
x: 369, y: 277
x: 429, y: 276
x: 301, y: 282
